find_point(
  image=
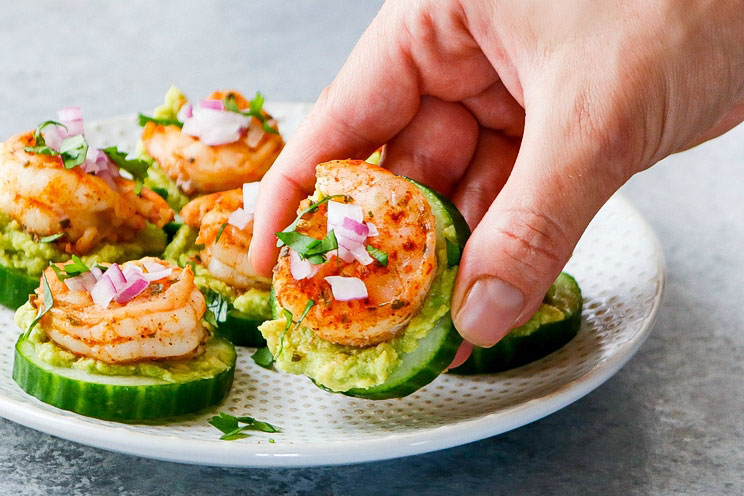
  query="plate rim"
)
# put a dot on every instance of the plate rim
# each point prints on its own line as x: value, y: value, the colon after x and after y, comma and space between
x: 112, y: 437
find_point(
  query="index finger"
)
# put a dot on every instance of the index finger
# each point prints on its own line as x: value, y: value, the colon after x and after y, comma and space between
x: 342, y: 124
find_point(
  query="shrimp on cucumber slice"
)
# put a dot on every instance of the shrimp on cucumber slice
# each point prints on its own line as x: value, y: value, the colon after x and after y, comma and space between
x: 163, y: 321
x: 46, y: 198
x: 198, y: 167
x: 225, y: 252
x: 406, y: 235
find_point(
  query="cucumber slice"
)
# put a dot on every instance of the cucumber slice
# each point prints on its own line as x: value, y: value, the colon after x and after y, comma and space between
x: 240, y: 329
x: 15, y: 286
x: 436, y: 350
x: 122, y: 398
x: 556, y: 322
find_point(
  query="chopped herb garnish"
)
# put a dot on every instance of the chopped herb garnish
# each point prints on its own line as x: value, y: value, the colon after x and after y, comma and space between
x: 144, y: 119
x: 52, y: 237
x: 136, y: 167
x: 231, y: 429
x: 218, y: 305
x: 288, y: 316
x: 310, y: 304
x: 161, y: 191
x: 73, y: 151
x: 254, y: 110
x: 41, y: 147
x: 378, y: 255
x: 263, y: 357
x: 309, y: 209
x: 453, y: 253
x: 48, y: 302
x: 309, y: 248
x: 220, y: 231
x: 73, y: 269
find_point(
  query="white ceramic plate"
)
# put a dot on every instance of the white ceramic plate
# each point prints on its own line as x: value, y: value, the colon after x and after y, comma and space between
x: 618, y: 264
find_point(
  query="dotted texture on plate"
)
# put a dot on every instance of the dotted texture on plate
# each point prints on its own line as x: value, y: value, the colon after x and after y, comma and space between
x: 617, y: 264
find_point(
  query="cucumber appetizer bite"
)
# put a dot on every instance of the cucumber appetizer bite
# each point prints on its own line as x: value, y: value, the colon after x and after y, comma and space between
x: 219, y: 144
x: 62, y: 198
x: 362, y: 287
x: 122, y: 343
x: 554, y: 324
x: 214, y: 241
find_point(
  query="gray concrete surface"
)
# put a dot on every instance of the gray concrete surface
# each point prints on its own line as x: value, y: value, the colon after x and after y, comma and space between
x: 670, y: 422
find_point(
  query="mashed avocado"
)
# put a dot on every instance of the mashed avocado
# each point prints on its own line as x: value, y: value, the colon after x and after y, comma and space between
x: 342, y: 368
x: 217, y: 357
x: 157, y: 179
x: 19, y: 250
x: 253, y: 304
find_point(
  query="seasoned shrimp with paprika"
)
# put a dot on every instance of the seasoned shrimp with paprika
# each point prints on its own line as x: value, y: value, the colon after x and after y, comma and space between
x: 48, y: 198
x: 218, y: 148
x: 225, y: 252
x: 155, y: 313
x: 367, y: 288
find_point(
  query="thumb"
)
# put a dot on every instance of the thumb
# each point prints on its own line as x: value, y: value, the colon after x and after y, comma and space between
x: 530, y: 230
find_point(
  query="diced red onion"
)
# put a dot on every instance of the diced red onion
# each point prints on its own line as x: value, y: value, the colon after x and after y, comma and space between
x: 54, y: 136
x: 75, y: 284
x: 116, y: 277
x: 239, y: 218
x: 212, y: 104
x: 154, y: 276
x: 361, y: 255
x: 250, y: 195
x: 89, y: 280
x: 372, y: 230
x: 185, y: 112
x: 301, y: 269
x: 103, y: 292
x: 337, y: 211
x: 97, y: 272
x: 132, y: 272
x: 151, y: 266
x: 347, y: 288
x: 133, y: 288
x: 352, y: 230
x: 72, y: 117
x: 255, y: 133
x: 215, y: 127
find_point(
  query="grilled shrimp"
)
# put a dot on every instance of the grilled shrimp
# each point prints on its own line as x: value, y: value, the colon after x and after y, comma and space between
x: 407, y: 233
x: 226, y: 258
x: 164, y: 321
x: 198, y: 168
x: 45, y: 198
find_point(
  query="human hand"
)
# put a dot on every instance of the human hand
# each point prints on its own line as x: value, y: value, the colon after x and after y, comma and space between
x: 528, y: 114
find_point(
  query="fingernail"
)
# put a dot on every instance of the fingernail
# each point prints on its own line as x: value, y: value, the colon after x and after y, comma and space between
x: 490, y: 309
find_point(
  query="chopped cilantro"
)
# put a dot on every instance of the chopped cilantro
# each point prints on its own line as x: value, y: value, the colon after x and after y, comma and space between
x: 75, y: 268
x: 143, y: 119
x: 263, y: 357
x: 48, y: 302
x: 136, y: 167
x: 73, y: 151
x: 309, y: 248
x: 309, y: 209
x: 41, y: 147
x: 288, y: 316
x: 52, y: 237
x: 220, y: 231
x: 218, y: 305
x: 254, y: 110
x: 229, y: 426
x: 378, y: 255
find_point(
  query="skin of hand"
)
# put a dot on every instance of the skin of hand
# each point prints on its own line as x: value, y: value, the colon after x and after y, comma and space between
x: 528, y: 114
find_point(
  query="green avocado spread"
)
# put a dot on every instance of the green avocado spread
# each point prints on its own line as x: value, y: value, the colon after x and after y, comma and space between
x: 253, y: 303
x: 217, y: 357
x: 157, y: 180
x: 341, y: 368
x: 19, y: 250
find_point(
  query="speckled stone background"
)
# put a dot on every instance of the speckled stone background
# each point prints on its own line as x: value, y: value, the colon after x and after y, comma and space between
x: 670, y: 422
